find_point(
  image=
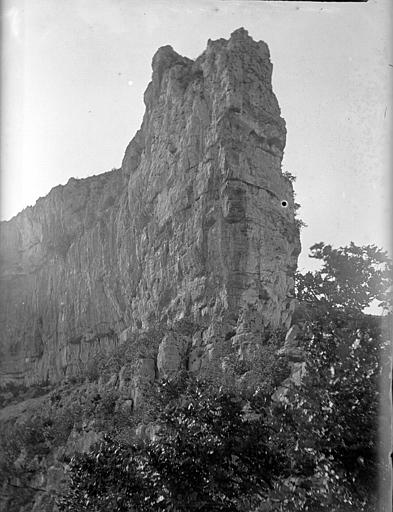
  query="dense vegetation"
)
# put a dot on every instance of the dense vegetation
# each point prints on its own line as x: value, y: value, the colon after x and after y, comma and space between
x: 245, y: 437
x: 218, y: 450
x: 219, y: 446
x: 350, y: 279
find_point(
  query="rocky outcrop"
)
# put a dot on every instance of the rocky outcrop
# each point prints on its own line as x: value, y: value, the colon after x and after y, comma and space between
x: 198, y: 223
x: 172, y: 354
x: 294, y: 354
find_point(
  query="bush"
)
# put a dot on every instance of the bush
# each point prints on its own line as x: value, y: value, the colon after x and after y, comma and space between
x: 328, y: 426
x: 104, y: 365
x: 221, y: 450
x: 207, y: 458
x: 225, y: 444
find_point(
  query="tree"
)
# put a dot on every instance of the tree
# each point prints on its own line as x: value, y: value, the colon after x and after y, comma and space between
x: 336, y: 407
x: 328, y: 425
x: 350, y: 279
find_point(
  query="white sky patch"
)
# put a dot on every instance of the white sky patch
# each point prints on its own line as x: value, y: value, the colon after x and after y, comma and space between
x: 107, y: 16
x: 14, y: 17
x: 331, y: 77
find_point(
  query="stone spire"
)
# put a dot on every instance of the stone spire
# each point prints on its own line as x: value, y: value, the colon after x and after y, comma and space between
x: 198, y: 223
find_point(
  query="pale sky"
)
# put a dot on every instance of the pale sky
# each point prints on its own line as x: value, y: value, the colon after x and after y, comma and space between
x: 74, y: 73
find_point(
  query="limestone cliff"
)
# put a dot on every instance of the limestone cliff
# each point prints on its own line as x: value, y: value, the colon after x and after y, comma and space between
x: 198, y: 223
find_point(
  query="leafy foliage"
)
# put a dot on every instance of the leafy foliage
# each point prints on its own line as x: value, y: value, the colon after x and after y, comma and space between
x: 328, y: 425
x: 207, y: 458
x: 218, y: 450
x: 23, y: 446
x: 289, y: 176
x: 13, y: 393
x: 226, y: 444
x: 139, y: 345
x: 350, y: 279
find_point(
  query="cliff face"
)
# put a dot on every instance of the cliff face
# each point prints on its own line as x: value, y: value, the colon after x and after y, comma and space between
x: 198, y: 223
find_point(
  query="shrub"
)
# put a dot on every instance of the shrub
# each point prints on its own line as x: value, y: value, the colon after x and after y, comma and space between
x: 208, y: 458
x: 221, y: 450
x: 328, y: 426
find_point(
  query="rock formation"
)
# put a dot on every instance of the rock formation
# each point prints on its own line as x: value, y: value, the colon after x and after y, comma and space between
x: 198, y: 223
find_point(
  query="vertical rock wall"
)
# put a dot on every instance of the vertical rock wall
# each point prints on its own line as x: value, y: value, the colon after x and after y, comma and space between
x: 198, y: 223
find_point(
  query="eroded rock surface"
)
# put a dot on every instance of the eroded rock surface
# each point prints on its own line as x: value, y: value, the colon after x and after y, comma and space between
x: 198, y: 223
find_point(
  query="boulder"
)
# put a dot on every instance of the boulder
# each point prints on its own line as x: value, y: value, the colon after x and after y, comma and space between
x: 171, y: 356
